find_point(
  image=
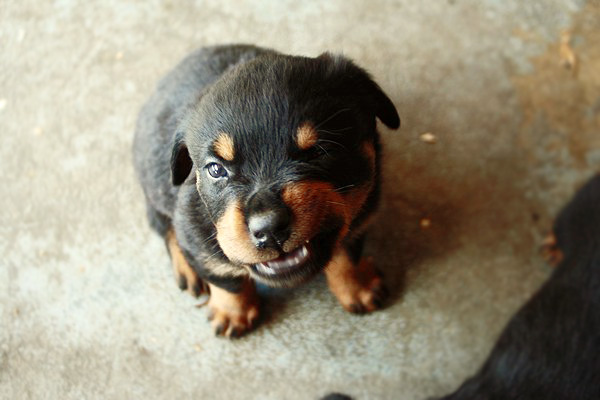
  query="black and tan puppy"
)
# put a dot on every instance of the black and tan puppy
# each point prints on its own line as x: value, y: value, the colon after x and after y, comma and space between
x: 551, y: 348
x: 258, y: 166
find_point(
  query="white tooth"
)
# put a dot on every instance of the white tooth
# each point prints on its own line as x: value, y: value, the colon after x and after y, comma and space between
x: 304, y: 251
x: 293, y: 259
x: 265, y: 269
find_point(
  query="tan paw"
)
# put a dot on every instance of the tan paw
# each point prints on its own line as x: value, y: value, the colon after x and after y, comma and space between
x: 186, y: 277
x: 550, y: 251
x: 233, y: 314
x: 358, y: 288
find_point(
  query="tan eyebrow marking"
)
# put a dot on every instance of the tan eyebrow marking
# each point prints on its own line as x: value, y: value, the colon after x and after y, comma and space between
x: 223, y: 146
x: 306, y: 136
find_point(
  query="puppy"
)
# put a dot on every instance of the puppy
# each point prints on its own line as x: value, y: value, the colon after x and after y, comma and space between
x: 550, y: 349
x: 259, y: 166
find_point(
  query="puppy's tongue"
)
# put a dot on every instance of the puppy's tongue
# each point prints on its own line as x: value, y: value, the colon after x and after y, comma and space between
x: 285, y: 262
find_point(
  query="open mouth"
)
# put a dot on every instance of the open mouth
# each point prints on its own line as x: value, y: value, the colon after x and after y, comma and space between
x: 299, y: 265
x: 285, y: 263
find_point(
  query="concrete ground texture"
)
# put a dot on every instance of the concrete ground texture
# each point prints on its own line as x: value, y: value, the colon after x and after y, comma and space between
x: 509, y: 92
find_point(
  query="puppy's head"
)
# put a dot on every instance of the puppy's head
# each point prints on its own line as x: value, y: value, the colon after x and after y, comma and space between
x: 284, y: 154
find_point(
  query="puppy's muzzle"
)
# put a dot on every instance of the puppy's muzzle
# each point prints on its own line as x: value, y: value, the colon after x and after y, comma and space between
x: 268, y: 221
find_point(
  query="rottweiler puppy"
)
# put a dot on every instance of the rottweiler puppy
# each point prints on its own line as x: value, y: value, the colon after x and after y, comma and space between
x: 551, y: 348
x: 260, y: 166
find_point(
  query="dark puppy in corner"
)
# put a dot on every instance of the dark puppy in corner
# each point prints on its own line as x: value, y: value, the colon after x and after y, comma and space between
x: 551, y: 348
x: 259, y: 166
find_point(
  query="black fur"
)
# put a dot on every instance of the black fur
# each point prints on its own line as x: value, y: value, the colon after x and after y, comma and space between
x: 551, y: 348
x: 260, y: 97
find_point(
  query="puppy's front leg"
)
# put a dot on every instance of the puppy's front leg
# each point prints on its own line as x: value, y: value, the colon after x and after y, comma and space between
x: 187, y: 278
x: 358, y: 287
x: 233, y: 314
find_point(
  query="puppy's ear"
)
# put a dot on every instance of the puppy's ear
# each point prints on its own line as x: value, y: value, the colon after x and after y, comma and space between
x: 350, y: 79
x: 181, y: 163
x: 384, y: 108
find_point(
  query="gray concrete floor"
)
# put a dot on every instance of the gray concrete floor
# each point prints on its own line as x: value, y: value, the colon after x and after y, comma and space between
x: 88, y: 305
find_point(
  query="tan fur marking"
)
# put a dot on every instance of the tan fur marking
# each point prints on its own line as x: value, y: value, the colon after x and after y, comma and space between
x: 312, y: 202
x: 225, y: 269
x: 181, y: 268
x: 223, y: 146
x: 306, y: 136
x: 353, y: 286
x: 550, y: 250
x: 234, y: 239
x: 232, y: 314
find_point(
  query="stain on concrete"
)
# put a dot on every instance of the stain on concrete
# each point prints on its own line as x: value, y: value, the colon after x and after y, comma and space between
x: 559, y: 101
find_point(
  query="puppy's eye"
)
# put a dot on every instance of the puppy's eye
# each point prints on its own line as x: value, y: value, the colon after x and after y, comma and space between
x: 216, y: 170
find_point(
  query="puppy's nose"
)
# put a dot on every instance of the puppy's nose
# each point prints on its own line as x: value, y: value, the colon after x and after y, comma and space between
x: 269, y: 229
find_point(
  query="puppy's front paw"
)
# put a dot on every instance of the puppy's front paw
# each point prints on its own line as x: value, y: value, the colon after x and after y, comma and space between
x: 233, y: 314
x: 358, y: 288
x: 370, y: 294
